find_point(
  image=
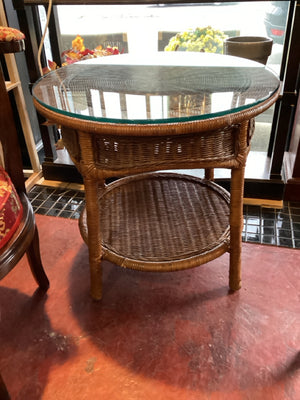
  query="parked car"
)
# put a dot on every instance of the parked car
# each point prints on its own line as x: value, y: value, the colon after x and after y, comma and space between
x: 275, y: 20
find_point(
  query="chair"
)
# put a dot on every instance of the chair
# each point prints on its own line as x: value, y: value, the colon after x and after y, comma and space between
x: 20, y: 235
x: 25, y: 237
x: 3, y: 390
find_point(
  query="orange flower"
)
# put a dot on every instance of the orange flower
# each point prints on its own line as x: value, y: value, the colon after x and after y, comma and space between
x: 51, y: 67
x: 77, y: 44
x: 73, y: 55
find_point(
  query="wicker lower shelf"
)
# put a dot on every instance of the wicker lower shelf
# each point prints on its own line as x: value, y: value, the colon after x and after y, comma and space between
x: 162, y: 222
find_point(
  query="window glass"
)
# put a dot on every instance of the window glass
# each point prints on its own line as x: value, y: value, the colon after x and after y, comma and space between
x: 143, y: 29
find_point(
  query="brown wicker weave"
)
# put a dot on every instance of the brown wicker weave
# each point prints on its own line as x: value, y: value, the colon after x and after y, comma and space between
x: 156, y: 209
x: 159, y: 221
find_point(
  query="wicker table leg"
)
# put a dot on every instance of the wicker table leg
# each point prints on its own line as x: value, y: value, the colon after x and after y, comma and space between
x: 236, y: 227
x: 94, y: 237
x: 209, y: 174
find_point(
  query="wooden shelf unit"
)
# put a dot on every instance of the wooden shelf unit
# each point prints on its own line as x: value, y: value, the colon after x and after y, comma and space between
x: 14, y: 85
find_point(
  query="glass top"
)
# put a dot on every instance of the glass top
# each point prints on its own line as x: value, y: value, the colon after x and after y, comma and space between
x: 160, y: 88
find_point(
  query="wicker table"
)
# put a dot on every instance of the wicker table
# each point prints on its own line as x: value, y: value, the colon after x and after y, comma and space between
x: 131, y: 118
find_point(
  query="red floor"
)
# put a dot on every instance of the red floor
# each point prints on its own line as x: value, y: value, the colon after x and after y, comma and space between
x: 153, y: 336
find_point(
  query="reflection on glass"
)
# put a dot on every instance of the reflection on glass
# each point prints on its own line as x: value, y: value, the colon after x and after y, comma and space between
x: 96, y: 103
x: 112, y: 105
x: 164, y: 88
x: 136, y: 106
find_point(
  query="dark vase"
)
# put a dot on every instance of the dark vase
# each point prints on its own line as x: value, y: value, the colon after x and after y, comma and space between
x: 255, y: 48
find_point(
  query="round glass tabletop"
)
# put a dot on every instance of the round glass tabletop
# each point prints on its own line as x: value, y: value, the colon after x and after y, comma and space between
x: 162, y: 88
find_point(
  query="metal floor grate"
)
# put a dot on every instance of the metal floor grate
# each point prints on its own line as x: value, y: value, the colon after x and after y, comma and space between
x: 279, y: 227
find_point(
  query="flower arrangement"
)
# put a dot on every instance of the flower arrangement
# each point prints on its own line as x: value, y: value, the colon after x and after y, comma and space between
x: 206, y: 40
x: 79, y: 52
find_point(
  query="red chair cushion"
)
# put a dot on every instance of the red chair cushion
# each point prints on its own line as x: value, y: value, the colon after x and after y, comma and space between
x: 11, y: 209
